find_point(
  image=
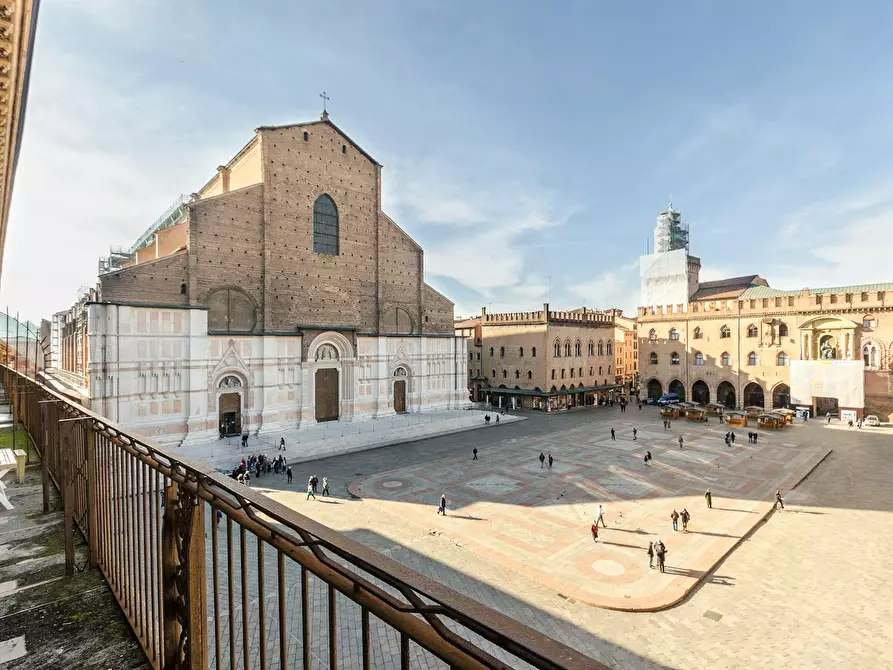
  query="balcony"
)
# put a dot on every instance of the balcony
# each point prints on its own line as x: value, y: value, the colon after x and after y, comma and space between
x: 211, y: 573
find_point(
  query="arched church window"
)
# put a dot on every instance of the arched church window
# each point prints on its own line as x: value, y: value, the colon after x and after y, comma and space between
x: 591, y: 348
x: 557, y: 349
x: 751, y: 330
x: 325, y: 226
x: 870, y: 355
x: 609, y: 348
x: 601, y: 348
x: 230, y: 310
x: 567, y: 348
x: 578, y: 350
x: 782, y: 330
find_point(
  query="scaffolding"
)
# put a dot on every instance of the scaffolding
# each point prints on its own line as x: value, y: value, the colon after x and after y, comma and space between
x: 671, y: 232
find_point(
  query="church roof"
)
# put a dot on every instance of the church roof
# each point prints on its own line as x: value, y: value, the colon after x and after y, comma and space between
x: 324, y: 120
x: 725, y: 288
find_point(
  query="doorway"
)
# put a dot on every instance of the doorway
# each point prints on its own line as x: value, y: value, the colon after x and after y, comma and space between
x: 400, y: 396
x: 230, y: 414
x: 824, y: 406
x: 327, y: 394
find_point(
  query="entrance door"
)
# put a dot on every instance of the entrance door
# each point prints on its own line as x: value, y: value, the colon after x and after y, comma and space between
x: 400, y: 396
x: 327, y: 394
x: 230, y: 414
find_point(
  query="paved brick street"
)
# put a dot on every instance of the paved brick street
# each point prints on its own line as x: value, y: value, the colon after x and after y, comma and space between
x: 807, y: 589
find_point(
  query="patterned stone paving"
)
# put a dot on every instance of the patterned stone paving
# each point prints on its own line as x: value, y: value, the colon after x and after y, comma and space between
x: 509, y: 510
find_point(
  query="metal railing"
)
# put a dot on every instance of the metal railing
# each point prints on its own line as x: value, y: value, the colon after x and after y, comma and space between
x: 212, y: 574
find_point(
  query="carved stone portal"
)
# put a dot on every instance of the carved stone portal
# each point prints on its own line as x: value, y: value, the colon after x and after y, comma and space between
x: 326, y: 352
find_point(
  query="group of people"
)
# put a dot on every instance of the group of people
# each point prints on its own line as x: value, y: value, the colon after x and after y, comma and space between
x: 657, y: 550
x: 313, y: 486
x: 487, y: 418
x: 543, y: 460
x: 730, y: 438
x: 259, y: 464
x: 685, y: 517
x: 752, y: 436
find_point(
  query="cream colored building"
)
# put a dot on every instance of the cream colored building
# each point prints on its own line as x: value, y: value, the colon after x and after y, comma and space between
x: 740, y: 342
x: 547, y: 360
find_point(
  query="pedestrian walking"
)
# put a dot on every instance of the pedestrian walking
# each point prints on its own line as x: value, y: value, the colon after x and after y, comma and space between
x: 733, y: 437
x: 600, y: 515
x: 661, y: 552
x: 709, y: 498
x: 646, y: 460
x: 282, y: 444
x: 288, y: 474
x: 315, y: 482
x: 497, y: 419
x: 749, y: 436
x: 474, y: 454
x: 650, y: 552
x: 542, y: 460
x: 594, y: 530
x: 325, y: 486
x: 640, y: 407
x: 779, y: 500
x: 310, y: 492
x: 674, y: 517
x: 680, y: 442
x: 634, y: 434
x: 755, y: 437
x: 650, y: 457
x: 612, y: 434
x: 442, y: 508
x: 685, y: 516
x: 551, y: 460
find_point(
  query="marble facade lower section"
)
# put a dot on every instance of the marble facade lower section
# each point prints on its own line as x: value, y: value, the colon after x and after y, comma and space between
x: 158, y: 372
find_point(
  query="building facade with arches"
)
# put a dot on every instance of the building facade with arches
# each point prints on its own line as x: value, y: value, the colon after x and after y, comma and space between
x: 277, y: 296
x: 544, y: 359
x: 741, y: 343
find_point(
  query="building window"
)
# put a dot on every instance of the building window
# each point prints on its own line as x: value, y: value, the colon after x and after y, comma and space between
x: 557, y: 349
x: 533, y: 352
x: 652, y: 335
x: 493, y: 374
x: 600, y: 369
x: 818, y: 300
x: 478, y: 355
x: 609, y: 369
x: 590, y: 370
x: 765, y: 302
x: 833, y: 298
x: 609, y: 348
x: 502, y: 352
x: 591, y: 348
x: 778, y: 302
x: 572, y: 373
x: 848, y: 297
x: 562, y: 373
x: 344, y: 148
x: 470, y: 372
x: 580, y: 372
x: 652, y: 358
x: 697, y: 334
x: 505, y: 374
x: 869, y: 322
x: 521, y: 352
x: 306, y: 136
x: 880, y: 295
x: 578, y: 348
x: 870, y: 355
x: 725, y: 332
x: 782, y: 330
x: 753, y: 359
x: 790, y: 301
x: 567, y: 348
x: 471, y: 355
x: 752, y: 330
x: 517, y: 374
x: 230, y: 310
x: 753, y: 304
x: 491, y: 352
x: 553, y: 373
x: 725, y: 359
x: 699, y: 358
x: 864, y: 296
x: 325, y: 226
x: 781, y: 359
x: 674, y: 358
x: 529, y: 375
x: 601, y: 348
x: 674, y: 334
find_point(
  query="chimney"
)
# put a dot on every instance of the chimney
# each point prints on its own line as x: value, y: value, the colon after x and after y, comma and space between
x: 224, y: 177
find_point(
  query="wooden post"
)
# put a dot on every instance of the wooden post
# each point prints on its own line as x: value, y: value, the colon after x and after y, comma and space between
x: 183, y: 581
x: 45, y: 459
x: 92, y: 501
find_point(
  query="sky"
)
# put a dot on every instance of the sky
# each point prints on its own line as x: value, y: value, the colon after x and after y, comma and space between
x: 527, y: 146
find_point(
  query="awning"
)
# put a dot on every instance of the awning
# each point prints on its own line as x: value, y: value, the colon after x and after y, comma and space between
x: 546, y: 394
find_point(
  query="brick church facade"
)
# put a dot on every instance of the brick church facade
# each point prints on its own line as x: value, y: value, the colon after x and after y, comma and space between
x: 279, y: 295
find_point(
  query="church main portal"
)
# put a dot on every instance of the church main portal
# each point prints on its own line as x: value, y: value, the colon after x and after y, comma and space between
x: 327, y: 394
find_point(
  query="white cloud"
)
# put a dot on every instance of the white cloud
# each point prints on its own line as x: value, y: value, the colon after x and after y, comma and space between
x: 616, y: 287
